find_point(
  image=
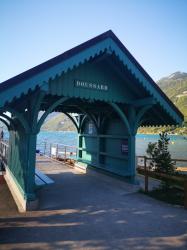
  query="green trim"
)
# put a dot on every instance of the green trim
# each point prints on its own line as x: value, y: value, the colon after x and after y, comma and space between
x: 43, y: 77
x: 105, y: 136
x: 36, y: 108
x: 143, y: 102
x: 90, y: 116
x: 87, y: 135
x: 20, y: 117
x: 87, y: 150
x: 139, y: 116
x: 143, y: 81
x: 82, y: 122
x: 108, y: 44
x: 114, y: 156
x: 73, y: 120
x: 121, y: 115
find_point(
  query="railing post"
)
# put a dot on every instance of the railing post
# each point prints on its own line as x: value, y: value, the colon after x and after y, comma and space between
x: 56, y: 151
x: 146, y: 174
x: 185, y: 194
x: 45, y: 145
x: 50, y: 148
x: 76, y: 153
x: 65, y: 152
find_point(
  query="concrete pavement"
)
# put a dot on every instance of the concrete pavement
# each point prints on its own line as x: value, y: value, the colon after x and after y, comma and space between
x: 93, y: 211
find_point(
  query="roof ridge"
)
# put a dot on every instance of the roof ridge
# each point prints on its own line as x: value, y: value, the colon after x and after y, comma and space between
x: 79, y: 48
x: 57, y: 59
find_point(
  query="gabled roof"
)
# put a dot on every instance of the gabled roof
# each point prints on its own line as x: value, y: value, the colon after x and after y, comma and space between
x: 61, y: 63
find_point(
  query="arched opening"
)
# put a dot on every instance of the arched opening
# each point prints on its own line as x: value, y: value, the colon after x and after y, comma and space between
x: 4, y: 127
x: 58, y: 136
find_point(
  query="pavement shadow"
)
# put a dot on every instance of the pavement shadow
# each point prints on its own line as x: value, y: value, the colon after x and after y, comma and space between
x: 93, y: 212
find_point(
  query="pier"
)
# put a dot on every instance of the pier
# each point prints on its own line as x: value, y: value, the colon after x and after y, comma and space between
x: 90, y: 210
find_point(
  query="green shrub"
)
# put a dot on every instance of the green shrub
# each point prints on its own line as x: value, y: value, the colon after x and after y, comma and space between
x: 161, y: 157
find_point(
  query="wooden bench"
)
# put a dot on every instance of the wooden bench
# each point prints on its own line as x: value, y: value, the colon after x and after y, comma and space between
x: 42, y: 179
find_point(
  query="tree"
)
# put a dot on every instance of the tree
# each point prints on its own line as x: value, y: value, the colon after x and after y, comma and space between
x: 161, y: 157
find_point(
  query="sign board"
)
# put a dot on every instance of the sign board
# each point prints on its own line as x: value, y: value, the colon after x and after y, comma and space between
x: 124, y: 146
x: 91, y: 85
x: 90, y: 128
x: 53, y: 151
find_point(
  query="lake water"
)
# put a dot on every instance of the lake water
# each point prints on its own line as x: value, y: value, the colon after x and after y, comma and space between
x: 177, y: 147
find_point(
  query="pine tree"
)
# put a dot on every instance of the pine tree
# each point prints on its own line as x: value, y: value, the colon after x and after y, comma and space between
x: 161, y: 157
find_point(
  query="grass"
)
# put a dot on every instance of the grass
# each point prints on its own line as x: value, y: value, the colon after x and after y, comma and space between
x: 169, y: 195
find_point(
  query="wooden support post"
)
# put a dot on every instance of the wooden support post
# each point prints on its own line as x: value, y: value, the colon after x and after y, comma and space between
x: 146, y: 175
x: 131, y: 156
x: 185, y: 194
x: 98, y: 150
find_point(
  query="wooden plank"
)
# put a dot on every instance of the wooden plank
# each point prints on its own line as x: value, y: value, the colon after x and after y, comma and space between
x: 179, y: 160
x: 38, y: 181
x: 43, y: 177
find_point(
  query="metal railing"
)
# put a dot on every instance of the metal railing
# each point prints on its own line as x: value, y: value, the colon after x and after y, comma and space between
x: 147, y: 170
x: 57, y: 150
x: 53, y: 150
x: 181, y: 164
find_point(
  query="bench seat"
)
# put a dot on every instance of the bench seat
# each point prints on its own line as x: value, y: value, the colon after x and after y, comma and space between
x: 42, y: 179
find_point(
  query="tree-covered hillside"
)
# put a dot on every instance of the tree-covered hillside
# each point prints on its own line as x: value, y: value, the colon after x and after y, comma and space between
x: 58, y: 122
x: 175, y: 87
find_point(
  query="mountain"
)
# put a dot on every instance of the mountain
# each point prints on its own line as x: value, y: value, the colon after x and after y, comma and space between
x: 58, y: 122
x: 175, y: 87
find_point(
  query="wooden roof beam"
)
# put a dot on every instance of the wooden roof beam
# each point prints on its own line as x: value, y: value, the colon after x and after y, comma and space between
x: 143, y: 102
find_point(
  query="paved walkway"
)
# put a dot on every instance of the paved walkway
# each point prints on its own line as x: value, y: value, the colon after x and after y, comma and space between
x: 93, y: 211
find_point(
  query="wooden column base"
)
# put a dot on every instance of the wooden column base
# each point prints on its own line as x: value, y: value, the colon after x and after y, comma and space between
x: 22, y: 204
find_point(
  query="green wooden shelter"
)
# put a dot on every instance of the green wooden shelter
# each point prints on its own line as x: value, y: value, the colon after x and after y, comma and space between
x: 102, y: 82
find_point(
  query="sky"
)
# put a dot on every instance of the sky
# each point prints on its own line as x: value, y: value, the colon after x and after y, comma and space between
x: 154, y: 31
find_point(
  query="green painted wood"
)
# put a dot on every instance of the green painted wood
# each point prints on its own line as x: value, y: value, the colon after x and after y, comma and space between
x: 122, y: 116
x: 35, y: 108
x: 21, y: 161
x: 139, y: 116
x: 143, y: 102
x: 142, y: 80
x: 132, y: 156
x: 23, y: 122
x: 73, y: 120
x: 42, y: 78
x: 102, y: 130
x: 104, y: 150
x: 71, y: 64
x: 91, y: 73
